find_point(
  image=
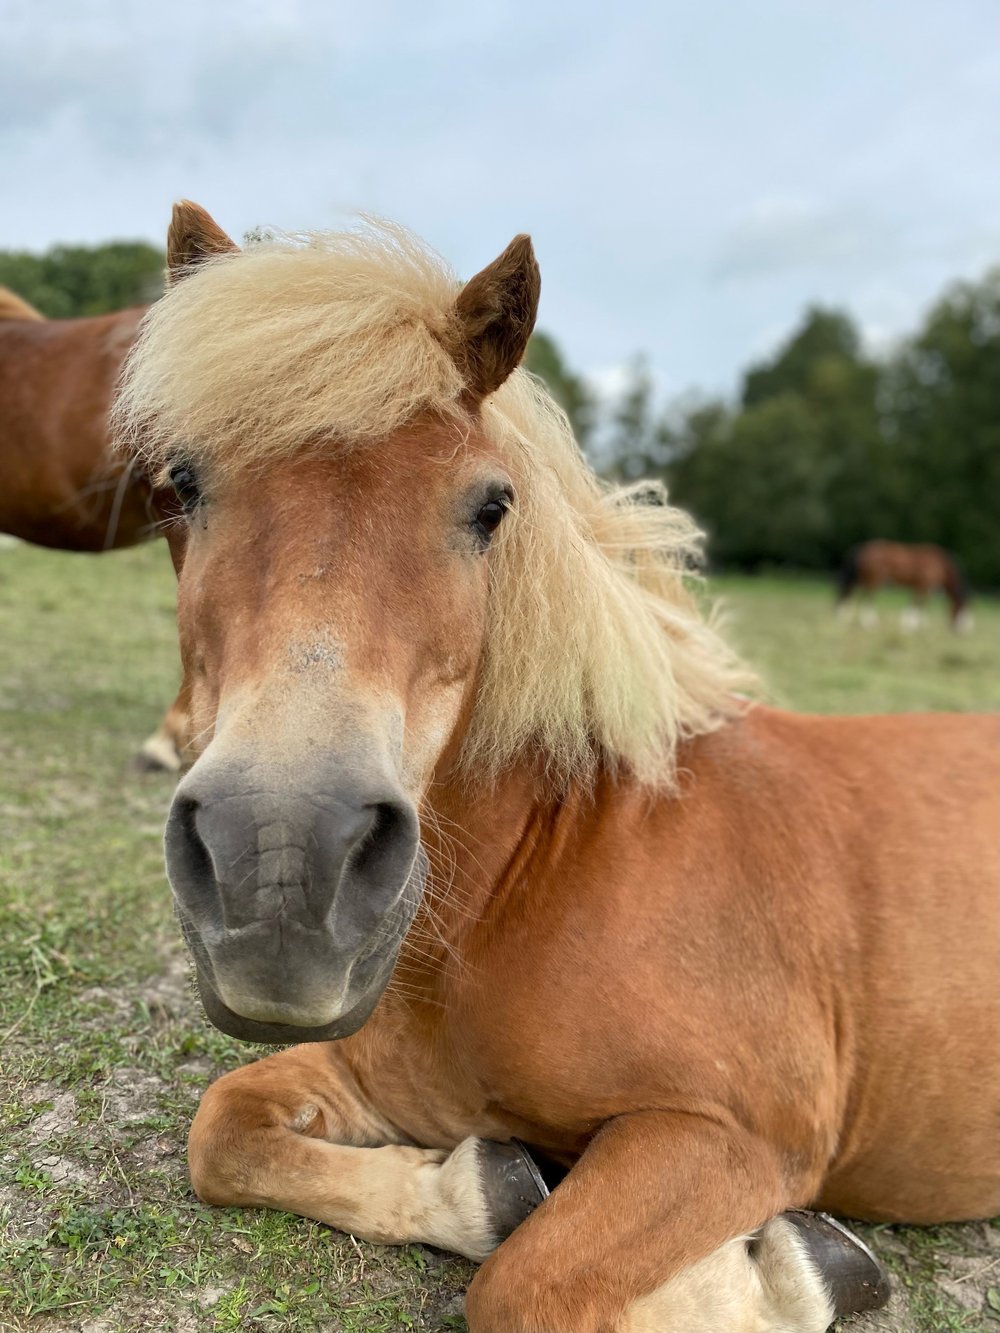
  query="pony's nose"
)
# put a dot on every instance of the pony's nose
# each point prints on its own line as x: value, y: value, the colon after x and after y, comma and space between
x: 334, y: 861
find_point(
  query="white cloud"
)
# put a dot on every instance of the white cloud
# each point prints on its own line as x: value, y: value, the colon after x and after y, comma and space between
x: 689, y: 181
x: 780, y: 233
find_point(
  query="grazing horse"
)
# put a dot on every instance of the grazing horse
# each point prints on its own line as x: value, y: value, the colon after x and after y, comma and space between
x: 923, y: 568
x: 480, y: 818
x: 61, y: 485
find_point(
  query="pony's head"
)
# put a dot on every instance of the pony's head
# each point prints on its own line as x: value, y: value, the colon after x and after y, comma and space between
x: 394, y: 568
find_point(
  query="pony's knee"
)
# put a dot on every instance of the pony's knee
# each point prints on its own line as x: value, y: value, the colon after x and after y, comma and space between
x: 232, y: 1137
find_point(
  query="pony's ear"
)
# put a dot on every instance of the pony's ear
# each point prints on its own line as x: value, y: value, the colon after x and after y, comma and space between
x: 495, y: 313
x: 193, y: 236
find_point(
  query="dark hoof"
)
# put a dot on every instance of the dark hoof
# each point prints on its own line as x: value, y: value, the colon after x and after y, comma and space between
x: 856, y: 1279
x: 512, y: 1184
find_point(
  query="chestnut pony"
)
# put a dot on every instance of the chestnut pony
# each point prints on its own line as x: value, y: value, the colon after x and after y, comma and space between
x: 924, y: 568
x: 60, y: 483
x: 479, y: 818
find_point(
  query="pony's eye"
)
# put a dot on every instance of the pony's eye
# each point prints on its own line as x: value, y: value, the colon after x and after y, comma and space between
x: 185, y: 484
x: 489, y: 517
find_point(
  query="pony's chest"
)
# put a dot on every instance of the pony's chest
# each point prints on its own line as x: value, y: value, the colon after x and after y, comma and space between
x: 417, y: 1083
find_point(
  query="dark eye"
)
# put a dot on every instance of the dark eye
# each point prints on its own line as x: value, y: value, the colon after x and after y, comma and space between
x: 488, y: 519
x: 185, y: 483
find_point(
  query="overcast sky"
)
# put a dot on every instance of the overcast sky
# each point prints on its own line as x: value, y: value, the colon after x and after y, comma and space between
x: 693, y: 171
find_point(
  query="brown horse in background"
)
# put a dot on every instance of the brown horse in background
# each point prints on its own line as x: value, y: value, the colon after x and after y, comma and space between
x: 480, y: 817
x: 61, y: 485
x: 924, y: 568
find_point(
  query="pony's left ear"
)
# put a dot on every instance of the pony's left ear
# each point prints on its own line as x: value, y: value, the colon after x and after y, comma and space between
x: 192, y: 237
x: 495, y: 313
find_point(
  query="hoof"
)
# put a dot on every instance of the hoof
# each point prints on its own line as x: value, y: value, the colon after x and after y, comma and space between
x: 856, y: 1279
x: 511, y: 1183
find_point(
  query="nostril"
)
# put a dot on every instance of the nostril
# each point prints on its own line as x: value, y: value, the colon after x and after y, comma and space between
x: 189, y: 861
x: 383, y: 856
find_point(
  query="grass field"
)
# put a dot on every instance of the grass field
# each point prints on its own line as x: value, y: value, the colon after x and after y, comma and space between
x: 103, y: 1048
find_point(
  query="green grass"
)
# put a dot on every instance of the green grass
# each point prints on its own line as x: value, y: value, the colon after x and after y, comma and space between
x: 810, y: 660
x: 103, y: 1047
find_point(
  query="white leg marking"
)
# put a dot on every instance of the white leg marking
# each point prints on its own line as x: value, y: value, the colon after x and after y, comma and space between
x: 964, y: 622
x: 868, y: 617
x: 394, y: 1194
x: 911, y: 619
x: 777, y: 1290
x: 162, y: 751
x: 457, y: 1212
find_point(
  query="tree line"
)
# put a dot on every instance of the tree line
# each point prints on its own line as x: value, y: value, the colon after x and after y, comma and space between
x: 74, y: 280
x: 823, y: 447
x: 826, y: 446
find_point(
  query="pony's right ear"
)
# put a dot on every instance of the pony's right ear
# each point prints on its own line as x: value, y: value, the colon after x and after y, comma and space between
x: 494, y: 315
x: 192, y: 237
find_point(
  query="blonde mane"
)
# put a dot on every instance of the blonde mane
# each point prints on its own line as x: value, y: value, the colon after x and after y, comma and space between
x: 596, y: 650
x: 13, y: 306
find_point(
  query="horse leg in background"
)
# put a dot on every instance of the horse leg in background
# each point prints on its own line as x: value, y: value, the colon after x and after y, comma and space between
x: 167, y: 750
x: 913, y: 618
x: 868, y: 614
x: 847, y: 582
x: 294, y: 1131
x: 847, y: 609
x: 652, y: 1230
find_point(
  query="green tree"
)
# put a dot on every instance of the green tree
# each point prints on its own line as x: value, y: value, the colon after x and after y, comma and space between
x: 807, y: 436
x: 637, y: 442
x: 825, y: 335
x: 72, y: 280
x: 941, y: 418
x: 756, y: 481
x: 571, y: 391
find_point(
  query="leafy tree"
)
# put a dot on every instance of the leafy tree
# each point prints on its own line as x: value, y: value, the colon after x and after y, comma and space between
x: 571, y: 391
x: 941, y: 405
x: 795, y: 475
x: 825, y: 335
x: 637, y: 442
x: 756, y: 479
x: 71, y: 280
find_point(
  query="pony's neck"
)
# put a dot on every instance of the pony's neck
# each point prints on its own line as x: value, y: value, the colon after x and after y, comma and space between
x: 478, y: 838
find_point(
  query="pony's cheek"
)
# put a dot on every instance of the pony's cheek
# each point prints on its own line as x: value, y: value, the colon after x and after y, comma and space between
x: 430, y: 732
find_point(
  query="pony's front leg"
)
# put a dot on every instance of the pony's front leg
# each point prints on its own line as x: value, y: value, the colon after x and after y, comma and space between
x: 294, y: 1131
x: 168, y: 749
x: 651, y: 1231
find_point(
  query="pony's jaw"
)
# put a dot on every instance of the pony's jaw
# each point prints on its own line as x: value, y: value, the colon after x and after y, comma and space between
x: 362, y: 1000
